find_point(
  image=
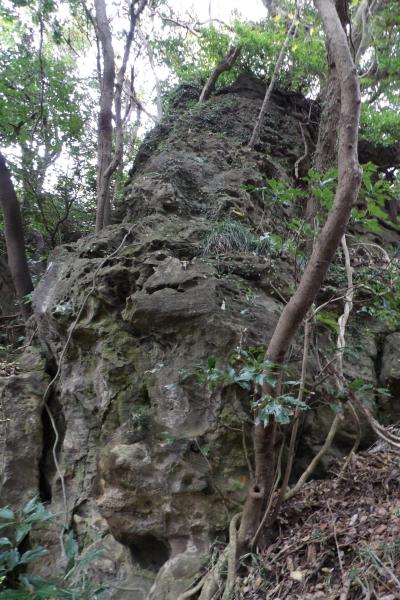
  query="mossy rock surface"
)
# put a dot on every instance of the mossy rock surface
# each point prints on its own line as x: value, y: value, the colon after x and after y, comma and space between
x: 150, y: 458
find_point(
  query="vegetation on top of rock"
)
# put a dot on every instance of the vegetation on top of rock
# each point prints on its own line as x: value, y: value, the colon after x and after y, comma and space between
x: 232, y: 236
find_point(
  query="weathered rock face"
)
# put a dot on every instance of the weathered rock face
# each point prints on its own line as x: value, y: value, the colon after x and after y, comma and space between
x: 152, y: 461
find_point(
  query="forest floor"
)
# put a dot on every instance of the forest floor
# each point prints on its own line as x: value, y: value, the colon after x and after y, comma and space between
x: 338, y: 540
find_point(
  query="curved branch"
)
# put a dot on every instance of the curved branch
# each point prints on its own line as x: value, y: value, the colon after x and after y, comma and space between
x: 226, y: 64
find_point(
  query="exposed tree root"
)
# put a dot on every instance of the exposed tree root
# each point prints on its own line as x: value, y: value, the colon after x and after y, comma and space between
x: 356, y: 441
x: 193, y: 590
x: 313, y: 464
x: 212, y: 584
x: 232, y: 557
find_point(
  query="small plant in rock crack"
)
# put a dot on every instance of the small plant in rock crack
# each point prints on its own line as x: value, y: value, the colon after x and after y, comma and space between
x: 276, y: 191
x: 232, y: 236
x: 250, y: 370
x: 16, y: 583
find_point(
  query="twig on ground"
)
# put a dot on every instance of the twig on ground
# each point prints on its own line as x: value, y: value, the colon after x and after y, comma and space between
x: 337, y: 545
x: 356, y: 441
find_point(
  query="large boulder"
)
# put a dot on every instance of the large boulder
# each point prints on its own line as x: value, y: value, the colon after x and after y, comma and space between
x: 152, y: 461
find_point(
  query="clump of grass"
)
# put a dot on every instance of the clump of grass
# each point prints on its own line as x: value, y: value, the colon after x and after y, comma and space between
x: 231, y: 236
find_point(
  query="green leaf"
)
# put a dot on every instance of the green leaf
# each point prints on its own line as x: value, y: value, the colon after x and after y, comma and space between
x: 10, y: 558
x: 337, y: 409
x: 39, y: 514
x: 329, y: 319
x: 31, y: 555
x: 71, y: 546
x: 296, y: 402
x: 356, y: 384
x: 22, y: 531
x: 384, y: 392
x: 372, y: 225
x: 211, y: 362
x: 245, y: 375
x: 43, y: 589
x: 7, y: 514
x: 272, y: 380
x: 30, y: 506
x: 375, y: 210
x: 259, y: 380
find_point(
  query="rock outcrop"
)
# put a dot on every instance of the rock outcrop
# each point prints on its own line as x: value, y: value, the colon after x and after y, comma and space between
x: 152, y: 461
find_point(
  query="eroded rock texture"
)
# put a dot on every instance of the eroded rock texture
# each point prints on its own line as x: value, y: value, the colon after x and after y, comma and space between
x: 153, y: 462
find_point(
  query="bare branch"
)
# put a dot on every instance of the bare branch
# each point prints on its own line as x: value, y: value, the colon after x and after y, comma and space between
x: 256, y: 131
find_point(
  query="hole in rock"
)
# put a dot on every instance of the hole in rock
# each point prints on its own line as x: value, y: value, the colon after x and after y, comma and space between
x: 149, y: 552
x: 187, y: 479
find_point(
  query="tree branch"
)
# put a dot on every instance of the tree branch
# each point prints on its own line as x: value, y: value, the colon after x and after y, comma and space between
x: 225, y: 65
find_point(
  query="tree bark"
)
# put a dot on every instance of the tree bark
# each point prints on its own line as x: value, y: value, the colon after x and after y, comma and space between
x: 325, y: 154
x: 104, y: 125
x: 225, y: 65
x: 326, y: 150
x: 14, y: 233
x: 107, y: 159
x: 349, y: 178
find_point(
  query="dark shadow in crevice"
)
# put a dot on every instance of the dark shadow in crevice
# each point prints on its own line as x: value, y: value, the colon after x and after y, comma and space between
x: 47, y: 468
x: 149, y: 552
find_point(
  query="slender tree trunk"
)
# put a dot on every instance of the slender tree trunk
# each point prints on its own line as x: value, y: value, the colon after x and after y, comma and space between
x: 326, y: 150
x: 349, y: 178
x: 361, y: 25
x: 105, y: 126
x: 158, y: 88
x: 108, y: 159
x: 256, y: 131
x: 225, y: 65
x: 14, y: 233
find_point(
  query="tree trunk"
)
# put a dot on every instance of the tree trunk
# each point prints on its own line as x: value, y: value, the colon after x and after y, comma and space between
x: 326, y: 150
x: 225, y: 65
x: 14, y: 233
x: 349, y: 178
x: 325, y: 154
x: 105, y: 127
x: 256, y: 131
x: 107, y: 159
